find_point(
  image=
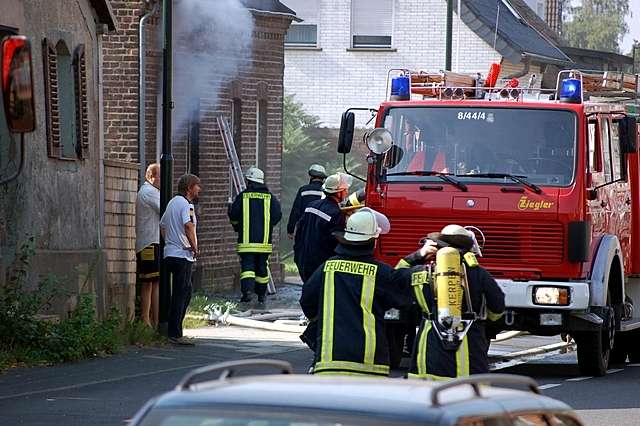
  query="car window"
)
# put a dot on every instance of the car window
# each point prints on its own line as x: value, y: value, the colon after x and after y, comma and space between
x: 530, y: 419
x: 484, y: 421
x: 563, y: 420
x: 211, y: 417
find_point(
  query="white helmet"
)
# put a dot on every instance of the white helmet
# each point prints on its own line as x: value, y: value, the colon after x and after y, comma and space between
x: 365, y: 224
x: 337, y: 183
x: 316, y: 170
x: 254, y: 174
x: 453, y: 230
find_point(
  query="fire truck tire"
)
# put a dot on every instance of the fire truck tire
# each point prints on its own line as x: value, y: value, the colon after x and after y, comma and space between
x: 594, y: 347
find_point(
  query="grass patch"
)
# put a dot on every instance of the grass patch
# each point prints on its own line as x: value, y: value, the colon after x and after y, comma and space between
x: 28, y: 340
x: 290, y: 268
x: 202, y: 305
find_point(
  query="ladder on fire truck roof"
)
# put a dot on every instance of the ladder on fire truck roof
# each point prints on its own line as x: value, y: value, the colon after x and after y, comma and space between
x: 235, y: 174
x: 598, y: 86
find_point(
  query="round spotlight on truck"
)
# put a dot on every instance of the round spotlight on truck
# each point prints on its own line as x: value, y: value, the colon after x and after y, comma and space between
x: 379, y: 140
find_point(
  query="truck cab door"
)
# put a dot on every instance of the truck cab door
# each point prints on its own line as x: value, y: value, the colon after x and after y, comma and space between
x: 595, y: 207
x: 611, y: 209
x: 621, y: 191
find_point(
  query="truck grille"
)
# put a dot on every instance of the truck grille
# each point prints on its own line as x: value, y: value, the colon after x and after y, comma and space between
x: 506, y: 243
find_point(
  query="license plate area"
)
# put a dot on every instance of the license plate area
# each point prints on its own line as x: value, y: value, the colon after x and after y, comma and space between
x: 550, y: 319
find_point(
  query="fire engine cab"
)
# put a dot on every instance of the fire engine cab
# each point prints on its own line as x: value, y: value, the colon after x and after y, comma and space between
x: 548, y: 180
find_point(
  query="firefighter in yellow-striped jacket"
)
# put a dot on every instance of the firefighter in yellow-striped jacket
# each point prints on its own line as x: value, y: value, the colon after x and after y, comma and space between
x: 253, y: 214
x: 348, y: 296
x: 452, y: 344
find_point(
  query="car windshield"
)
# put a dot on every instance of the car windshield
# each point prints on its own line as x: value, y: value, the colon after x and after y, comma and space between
x: 481, y: 144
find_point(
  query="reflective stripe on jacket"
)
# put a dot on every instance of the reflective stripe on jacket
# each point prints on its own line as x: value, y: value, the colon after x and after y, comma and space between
x: 430, y: 358
x: 314, y: 242
x: 306, y: 194
x: 348, y: 296
x: 253, y: 214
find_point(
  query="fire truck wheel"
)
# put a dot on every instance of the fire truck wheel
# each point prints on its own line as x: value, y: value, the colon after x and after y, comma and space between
x: 594, y: 347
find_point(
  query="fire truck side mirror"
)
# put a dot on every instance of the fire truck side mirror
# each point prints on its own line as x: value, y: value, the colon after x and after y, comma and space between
x: 345, y: 138
x: 17, y: 84
x: 628, y: 135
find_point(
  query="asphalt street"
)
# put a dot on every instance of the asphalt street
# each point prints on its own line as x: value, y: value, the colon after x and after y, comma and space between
x: 108, y: 391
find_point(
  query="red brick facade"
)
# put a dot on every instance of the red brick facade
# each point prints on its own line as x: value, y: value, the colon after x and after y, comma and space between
x: 259, y: 82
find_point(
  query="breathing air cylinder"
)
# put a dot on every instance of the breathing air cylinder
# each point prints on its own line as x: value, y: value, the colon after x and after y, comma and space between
x: 449, y: 290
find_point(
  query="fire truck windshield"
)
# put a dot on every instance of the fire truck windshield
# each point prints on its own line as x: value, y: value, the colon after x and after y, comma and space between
x: 477, y: 144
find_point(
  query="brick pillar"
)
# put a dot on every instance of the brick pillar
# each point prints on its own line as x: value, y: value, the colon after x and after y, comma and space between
x: 121, y: 183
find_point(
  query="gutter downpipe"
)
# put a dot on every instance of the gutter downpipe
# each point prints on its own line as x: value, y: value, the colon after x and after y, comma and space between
x: 101, y: 292
x: 141, y: 93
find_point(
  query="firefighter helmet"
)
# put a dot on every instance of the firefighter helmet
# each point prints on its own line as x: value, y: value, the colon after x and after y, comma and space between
x: 455, y: 236
x: 336, y: 183
x: 318, y: 171
x: 363, y: 226
x: 254, y: 174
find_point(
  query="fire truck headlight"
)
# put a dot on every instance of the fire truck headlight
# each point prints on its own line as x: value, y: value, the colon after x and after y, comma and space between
x: 379, y: 141
x: 551, y: 296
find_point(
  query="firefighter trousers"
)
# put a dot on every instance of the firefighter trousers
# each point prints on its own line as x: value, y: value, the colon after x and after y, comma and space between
x: 254, y: 275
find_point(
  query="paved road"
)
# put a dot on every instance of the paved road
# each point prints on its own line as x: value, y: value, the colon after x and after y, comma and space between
x: 109, y: 391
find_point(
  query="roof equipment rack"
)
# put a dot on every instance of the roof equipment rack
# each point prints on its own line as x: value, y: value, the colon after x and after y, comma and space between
x: 483, y: 379
x: 605, y: 85
x: 573, y: 85
x: 229, y: 369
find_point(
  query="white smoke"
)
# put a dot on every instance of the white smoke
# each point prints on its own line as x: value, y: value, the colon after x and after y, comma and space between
x: 212, y: 39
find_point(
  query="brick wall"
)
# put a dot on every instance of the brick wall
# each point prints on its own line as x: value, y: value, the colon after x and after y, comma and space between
x: 120, y: 188
x: 261, y: 77
x: 332, y: 79
x: 120, y: 69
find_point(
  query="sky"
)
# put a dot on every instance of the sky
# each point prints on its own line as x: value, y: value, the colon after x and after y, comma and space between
x: 634, y: 26
x: 633, y: 22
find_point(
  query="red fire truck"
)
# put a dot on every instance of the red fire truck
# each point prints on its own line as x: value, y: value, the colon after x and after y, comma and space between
x: 549, y: 181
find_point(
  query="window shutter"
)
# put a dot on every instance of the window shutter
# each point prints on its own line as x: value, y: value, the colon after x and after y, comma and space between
x: 372, y: 19
x: 82, y: 110
x: 50, y: 62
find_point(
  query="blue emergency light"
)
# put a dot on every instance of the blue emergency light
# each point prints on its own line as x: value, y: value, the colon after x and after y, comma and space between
x: 571, y: 90
x: 400, y: 88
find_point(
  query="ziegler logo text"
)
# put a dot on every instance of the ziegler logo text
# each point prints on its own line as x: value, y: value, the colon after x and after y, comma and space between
x: 526, y: 204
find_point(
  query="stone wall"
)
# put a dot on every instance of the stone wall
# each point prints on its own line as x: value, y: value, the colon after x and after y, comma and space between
x: 120, y: 188
x: 54, y: 199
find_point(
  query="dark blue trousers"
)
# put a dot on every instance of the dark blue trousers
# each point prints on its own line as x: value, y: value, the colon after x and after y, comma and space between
x: 181, y: 288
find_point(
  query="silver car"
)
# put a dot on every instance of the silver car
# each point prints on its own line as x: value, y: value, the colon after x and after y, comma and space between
x: 304, y: 400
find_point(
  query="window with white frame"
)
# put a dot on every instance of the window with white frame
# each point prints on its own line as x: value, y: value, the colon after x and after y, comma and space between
x: 303, y: 33
x: 371, y: 23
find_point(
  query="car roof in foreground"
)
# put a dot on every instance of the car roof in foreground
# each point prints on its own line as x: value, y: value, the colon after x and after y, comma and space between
x: 406, y: 399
